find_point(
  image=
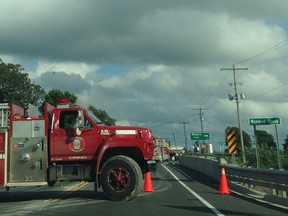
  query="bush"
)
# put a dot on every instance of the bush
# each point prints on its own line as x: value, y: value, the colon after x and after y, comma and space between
x: 267, y: 158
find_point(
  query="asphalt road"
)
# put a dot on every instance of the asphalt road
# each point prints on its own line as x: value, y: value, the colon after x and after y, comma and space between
x: 178, y: 191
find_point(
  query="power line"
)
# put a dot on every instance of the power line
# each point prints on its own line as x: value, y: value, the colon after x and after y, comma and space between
x: 271, y: 49
x: 271, y: 90
x: 275, y: 47
x: 268, y: 61
x: 214, y: 91
x: 210, y: 89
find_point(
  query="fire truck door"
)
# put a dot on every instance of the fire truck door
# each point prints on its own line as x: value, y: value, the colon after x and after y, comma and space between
x: 69, y: 142
x: 28, y: 152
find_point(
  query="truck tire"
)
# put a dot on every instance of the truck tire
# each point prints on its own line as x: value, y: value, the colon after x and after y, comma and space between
x: 121, y: 178
x: 51, y: 183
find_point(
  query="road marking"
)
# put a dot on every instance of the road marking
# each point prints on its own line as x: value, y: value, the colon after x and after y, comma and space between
x: 69, y: 191
x: 218, y: 213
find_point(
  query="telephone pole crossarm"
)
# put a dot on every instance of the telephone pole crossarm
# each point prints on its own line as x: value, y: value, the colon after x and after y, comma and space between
x: 201, y: 117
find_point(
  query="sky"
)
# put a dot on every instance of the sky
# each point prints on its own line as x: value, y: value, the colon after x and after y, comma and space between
x: 156, y: 63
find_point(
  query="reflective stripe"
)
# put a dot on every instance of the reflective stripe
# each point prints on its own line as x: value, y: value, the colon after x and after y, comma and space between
x: 2, y: 156
x: 126, y: 132
x: 14, y: 184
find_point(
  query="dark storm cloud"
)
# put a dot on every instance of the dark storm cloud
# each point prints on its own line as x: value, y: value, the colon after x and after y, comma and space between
x: 129, y: 32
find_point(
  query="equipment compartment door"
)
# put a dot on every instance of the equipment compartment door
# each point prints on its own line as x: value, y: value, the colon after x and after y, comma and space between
x: 3, y: 164
x: 28, y: 161
x: 2, y: 172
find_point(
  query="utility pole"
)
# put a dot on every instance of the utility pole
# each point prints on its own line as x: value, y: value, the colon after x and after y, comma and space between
x: 201, y: 118
x: 237, y: 99
x: 202, y: 128
x: 185, y: 137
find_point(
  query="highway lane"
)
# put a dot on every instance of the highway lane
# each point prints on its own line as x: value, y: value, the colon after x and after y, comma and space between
x: 233, y: 204
x: 178, y: 191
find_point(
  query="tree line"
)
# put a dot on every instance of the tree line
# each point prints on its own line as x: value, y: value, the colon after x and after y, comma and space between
x: 16, y: 87
x: 267, y: 149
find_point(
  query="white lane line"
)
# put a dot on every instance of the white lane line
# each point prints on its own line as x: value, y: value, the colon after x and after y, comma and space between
x: 218, y: 213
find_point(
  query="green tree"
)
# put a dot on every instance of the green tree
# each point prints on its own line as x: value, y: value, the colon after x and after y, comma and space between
x: 264, y: 139
x: 284, y: 160
x: 285, y: 145
x: 251, y: 159
x: 52, y: 97
x: 267, y: 158
x: 102, y: 115
x: 17, y: 88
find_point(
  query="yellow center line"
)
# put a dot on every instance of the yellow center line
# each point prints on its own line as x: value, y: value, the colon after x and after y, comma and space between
x: 70, y: 190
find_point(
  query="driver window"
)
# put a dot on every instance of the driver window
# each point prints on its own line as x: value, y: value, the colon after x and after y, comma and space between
x: 68, y: 119
x: 87, y: 123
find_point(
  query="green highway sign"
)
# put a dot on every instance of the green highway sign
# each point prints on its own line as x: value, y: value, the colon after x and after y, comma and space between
x: 200, y: 136
x: 264, y: 121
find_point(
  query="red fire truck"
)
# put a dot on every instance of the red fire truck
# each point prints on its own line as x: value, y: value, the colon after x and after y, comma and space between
x: 71, y: 144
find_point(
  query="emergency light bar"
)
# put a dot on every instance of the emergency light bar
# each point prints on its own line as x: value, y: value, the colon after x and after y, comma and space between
x: 63, y: 103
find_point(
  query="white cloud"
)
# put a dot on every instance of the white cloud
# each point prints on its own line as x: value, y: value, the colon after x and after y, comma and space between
x: 10, y: 58
x: 83, y: 69
x: 122, y: 123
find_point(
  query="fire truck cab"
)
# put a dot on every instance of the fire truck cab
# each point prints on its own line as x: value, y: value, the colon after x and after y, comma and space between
x: 71, y: 144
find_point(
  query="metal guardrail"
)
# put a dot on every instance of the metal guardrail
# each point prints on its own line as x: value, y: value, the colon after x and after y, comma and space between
x: 274, y: 179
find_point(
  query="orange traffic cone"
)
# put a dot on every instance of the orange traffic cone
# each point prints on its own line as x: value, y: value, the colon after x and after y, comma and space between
x: 148, y: 183
x: 223, y: 189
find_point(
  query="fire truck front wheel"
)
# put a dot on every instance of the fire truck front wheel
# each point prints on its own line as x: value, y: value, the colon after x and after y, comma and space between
x: 121, y: 178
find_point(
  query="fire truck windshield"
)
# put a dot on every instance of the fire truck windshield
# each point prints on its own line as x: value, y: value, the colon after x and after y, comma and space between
x: 94, y: 118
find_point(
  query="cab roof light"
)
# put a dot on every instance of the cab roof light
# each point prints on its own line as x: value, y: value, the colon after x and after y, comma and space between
x: 63, y: 103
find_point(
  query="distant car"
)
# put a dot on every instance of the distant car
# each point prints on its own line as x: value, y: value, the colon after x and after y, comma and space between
x: 152, y: 164
x: 174, y: 156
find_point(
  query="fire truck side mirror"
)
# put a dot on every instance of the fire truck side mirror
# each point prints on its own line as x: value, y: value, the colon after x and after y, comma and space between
x: 80, y: 119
